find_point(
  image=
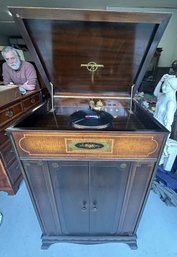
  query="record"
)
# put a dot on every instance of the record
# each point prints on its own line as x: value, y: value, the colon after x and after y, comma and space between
x: 91, y: 119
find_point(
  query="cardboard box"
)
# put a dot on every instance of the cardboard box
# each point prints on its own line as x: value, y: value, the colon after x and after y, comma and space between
x: 8, y: 94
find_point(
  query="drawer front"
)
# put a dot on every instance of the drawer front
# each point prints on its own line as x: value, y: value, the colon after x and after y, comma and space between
x: 14, y: 172
x: 88, y: 145
x: 31, y: 102
x: 3, y: 137
x: 4, y: 181
x: 10, y: 113
x: 7, y: 152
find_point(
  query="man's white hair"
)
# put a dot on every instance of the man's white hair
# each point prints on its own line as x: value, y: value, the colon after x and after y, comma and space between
x: 8, y: 49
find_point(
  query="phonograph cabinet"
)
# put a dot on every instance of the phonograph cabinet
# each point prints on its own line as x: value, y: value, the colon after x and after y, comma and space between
x: 89, y: 156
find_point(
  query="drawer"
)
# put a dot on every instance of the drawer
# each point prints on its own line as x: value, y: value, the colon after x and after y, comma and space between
x: 14, y: 172
x: 31, y: 102
x: 88, y: 145
x: 7, y: 152
x: 3, y: 137
x: 10, y: 113
x: 4, y: 181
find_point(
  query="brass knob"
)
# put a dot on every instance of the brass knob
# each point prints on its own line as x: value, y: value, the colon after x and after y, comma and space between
x: 123, y: 165
x: 55, y: 165
x: 94, y: 206
x: 32, y: 100
x: 9, y: 114
x: 84, y: 206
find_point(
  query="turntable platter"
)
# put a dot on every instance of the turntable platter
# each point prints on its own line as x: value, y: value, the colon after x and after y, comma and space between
x: 91, y: 119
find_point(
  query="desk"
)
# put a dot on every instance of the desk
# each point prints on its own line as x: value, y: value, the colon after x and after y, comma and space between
x: 10, y: 174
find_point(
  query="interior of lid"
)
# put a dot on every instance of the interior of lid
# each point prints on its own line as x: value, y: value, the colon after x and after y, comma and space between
x: 91, y: 56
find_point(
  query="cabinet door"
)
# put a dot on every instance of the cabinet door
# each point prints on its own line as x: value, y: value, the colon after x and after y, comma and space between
x: 107, y: 188
x: 38, y: 179
x: 70, y: 183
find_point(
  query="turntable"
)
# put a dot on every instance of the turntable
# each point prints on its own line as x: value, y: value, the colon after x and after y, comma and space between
x: 89, y: 182
x: 93, y: 118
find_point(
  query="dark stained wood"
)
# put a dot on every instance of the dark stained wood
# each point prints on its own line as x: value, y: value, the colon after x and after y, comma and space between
x: 60, y: 40
x: 10, y: 172
x: 89, y: 194
x: 39, y: 144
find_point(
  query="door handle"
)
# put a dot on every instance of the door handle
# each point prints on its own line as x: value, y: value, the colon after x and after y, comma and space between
x: 94, y: 206
x: 84, y: 206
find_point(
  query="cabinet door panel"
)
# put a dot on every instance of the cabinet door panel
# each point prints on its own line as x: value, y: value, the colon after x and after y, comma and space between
x: 41, y: 191
x: 137, y: 189
x: 107, y: 188
x: 70, y: 181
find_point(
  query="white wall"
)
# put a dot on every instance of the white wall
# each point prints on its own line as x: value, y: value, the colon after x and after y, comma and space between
x: 169, y: 42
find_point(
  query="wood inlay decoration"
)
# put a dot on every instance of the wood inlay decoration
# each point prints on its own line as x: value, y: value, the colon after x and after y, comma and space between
x: 87, y: 145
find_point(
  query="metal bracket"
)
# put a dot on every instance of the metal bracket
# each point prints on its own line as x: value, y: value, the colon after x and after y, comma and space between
x: 52, y: 98
x: 131, y: 100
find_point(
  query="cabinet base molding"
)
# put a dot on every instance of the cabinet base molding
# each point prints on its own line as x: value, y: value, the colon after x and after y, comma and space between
x: 47, y: 241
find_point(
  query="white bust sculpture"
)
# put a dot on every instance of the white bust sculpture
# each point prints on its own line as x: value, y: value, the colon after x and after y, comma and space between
x: 166, y: 106
x: 166, y: 100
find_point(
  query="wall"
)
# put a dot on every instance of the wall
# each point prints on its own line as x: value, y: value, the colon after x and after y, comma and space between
x: 169, y: 42
x: 3, y: 42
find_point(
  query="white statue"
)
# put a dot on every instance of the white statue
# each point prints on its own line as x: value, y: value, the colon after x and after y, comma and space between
x: 166, y: 106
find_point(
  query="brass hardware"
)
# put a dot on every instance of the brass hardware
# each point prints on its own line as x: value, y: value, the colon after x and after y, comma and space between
x: 96, y: 106
x: 33, y: 101
x: 84, y: 206
x: 92, y: 67
x: 55, y: 165
x: 9, y: 114
x: 123, y: 165
x: 94, y: 206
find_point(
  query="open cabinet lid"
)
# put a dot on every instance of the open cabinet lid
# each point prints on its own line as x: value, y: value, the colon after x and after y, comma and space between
x: 90, y: 51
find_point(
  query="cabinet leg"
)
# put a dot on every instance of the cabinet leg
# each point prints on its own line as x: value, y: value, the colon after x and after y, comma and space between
x: 45, y: 246
x: 133, y: 245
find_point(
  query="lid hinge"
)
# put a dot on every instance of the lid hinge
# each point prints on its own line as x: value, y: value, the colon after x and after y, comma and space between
x: 52, y: 98
x: 132, y: 94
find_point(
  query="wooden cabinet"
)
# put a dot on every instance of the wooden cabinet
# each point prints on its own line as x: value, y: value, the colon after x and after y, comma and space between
x: 89, y: 182
x: 82, y: 196
x: 10, y: 173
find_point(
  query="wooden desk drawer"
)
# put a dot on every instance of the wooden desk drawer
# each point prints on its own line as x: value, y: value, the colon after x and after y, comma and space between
x: 14, y: 172
x: 7, y: 153
x: 3, y: 137
x: 31, y: 102
x: 10, y: 113
x: 88, y: 145
x: 4, y: 181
